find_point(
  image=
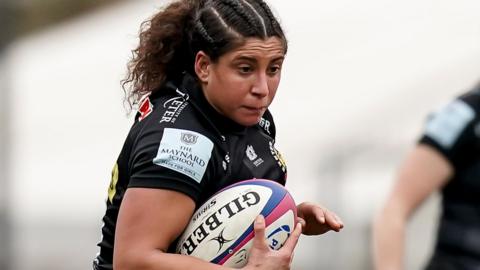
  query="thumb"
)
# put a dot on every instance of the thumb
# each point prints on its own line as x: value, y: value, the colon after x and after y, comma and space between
x: 301, y: 221
x: 259, y: 231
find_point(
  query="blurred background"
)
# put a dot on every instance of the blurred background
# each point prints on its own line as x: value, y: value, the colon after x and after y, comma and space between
x: 358, y: 83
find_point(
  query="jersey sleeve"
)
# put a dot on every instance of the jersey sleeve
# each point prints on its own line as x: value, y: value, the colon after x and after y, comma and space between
x: 452, y: 129
x: 170, y: 158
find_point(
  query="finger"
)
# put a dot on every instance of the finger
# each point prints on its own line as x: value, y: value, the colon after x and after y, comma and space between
x: 259, y: 230
x: 339, y: 220
x: 332, y: 222
x: 320, y: 214
x: 292, y: 240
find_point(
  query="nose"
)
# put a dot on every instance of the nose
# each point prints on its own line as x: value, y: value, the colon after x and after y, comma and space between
x: 260, y: 87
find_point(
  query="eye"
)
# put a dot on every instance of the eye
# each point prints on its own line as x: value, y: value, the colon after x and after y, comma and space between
x: 274, y: 69
x: 245, y: 69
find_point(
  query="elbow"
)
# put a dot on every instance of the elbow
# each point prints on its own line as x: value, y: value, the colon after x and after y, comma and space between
x: 126, y: 263
x: 131, y: 260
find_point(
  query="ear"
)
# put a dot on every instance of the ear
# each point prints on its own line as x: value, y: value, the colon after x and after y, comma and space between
x: 202, y: 64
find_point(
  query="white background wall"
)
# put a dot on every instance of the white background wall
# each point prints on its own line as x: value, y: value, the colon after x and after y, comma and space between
x: 359, y: 79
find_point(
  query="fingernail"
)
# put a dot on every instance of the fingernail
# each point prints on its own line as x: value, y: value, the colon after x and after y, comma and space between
x: 259, y: 219
x: 299, y: 225
x: 302, y: 222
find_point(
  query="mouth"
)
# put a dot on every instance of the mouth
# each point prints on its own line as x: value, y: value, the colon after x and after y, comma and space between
x: 255, y: 109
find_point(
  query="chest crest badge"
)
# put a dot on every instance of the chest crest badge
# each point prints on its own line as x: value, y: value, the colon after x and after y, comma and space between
x: 250, y: 152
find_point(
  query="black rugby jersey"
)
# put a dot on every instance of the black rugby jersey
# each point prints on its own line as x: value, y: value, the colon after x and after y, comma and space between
x: 180, y: 142
x: 455, y: 132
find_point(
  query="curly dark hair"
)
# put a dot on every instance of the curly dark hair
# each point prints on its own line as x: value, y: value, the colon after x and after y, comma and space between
x: 170, y: 40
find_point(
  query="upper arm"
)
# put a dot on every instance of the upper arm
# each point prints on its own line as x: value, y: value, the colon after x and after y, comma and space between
x: 424, y: 171
x: 447, y: 138
x: 149, y: 220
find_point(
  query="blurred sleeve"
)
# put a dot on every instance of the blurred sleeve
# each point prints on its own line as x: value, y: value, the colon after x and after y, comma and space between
x: 453, y: 130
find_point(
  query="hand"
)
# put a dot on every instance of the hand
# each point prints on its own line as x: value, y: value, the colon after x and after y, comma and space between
x: 263, y: 257
x: 316, y: 219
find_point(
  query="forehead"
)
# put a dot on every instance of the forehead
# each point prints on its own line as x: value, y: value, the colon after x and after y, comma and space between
x: 269, y: 48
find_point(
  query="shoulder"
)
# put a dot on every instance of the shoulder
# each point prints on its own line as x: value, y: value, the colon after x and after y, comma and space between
x: 453, y: 129
x: 171, y: 121
x: 447, y: 124
x: 170, y: 111
x: 472, y: 99
x: 172, y: 147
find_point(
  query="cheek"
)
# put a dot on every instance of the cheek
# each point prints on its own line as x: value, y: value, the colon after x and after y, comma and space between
x: 220, y: 88
x: 273, y: 86
x: 237, y: 88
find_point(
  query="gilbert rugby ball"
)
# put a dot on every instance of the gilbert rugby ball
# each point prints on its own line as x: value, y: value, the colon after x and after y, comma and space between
x: 221, y: 230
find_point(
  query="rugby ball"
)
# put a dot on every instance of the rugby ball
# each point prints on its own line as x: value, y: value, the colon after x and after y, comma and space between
x: 221, y: 230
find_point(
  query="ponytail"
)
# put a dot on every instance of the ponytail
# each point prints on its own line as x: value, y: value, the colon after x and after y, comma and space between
x: 163, y: 51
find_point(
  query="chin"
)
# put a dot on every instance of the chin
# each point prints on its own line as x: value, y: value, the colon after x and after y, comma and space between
x: 248, y: 121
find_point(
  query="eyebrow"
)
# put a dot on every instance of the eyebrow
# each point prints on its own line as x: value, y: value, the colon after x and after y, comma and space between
x: 253, y: 59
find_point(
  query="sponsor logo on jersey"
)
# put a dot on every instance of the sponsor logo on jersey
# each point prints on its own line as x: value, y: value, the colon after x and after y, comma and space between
x: 265, y: 124
x: 446, y: 126
x: 173, y: 108
x: 225, y: 162
x: 253, y: 156
x: 189, y: 138
x: 224, y: 165
x: 146, y: 107
x: 184, y: 151
x: 278, y: 157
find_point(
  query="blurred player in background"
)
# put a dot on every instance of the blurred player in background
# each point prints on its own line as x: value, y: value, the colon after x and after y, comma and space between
x: 446, y: 159
x: 204, y: 75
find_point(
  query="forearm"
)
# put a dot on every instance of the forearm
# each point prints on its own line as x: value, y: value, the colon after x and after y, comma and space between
x: 389, y: 238
x: 158, y: 260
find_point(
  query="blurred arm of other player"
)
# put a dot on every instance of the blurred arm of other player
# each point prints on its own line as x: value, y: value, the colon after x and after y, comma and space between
x: 424, y: 171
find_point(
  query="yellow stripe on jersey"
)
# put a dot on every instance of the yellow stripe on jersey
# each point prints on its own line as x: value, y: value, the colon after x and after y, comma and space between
x: 113, y: 183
